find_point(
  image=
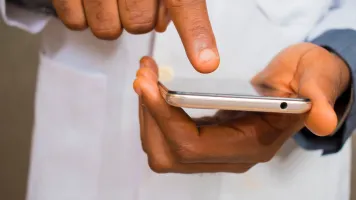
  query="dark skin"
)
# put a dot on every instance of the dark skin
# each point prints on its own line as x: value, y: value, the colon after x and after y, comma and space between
x: 236, y: 141
x: 108, y: 18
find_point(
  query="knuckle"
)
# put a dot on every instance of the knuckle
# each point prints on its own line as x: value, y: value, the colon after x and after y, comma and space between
x: 139, y: 22
x: 197, y: 26
x: 198, y: 29
x: 92, y: 5
x: 187, y: 153
x: 71, y: 19
x: 103, y: 22
x: 244, y: 169
x: 106, y: 26
x: 106, y: 18
x: 62, y: 6
x: 107, y: 34
x: 265, y: 157
x: 183, y: 3
x: 75, y: 24
x: 160, y: 165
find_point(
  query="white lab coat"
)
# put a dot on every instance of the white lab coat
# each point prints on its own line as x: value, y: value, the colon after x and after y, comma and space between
x: 86, y: 142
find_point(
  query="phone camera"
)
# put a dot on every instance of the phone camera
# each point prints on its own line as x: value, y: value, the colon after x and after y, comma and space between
x: 284, y: 105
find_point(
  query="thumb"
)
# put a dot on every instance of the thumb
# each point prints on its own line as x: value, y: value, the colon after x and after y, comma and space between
x: 191, y: 20
x: 321, y: 119
x: 322, y: 77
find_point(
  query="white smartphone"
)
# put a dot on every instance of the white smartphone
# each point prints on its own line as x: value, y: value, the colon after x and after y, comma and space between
x: 228, y: 95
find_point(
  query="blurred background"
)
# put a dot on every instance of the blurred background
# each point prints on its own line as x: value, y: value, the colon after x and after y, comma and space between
x: 18, y: 70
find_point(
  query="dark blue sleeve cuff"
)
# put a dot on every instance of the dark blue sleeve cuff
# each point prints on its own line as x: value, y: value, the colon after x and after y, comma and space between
x: 342, y: 42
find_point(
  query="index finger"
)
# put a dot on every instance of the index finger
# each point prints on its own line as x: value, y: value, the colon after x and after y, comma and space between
x: 191, y: 20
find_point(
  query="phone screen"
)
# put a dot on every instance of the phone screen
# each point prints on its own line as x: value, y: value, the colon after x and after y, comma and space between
x: 225, y: 88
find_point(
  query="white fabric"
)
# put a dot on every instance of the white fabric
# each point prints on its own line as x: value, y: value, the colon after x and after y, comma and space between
x: 86, y: 139
x: 341, y: 18
x: 95, y: 110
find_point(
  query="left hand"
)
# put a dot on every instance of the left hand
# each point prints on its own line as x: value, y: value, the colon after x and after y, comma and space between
x: 236, y: 141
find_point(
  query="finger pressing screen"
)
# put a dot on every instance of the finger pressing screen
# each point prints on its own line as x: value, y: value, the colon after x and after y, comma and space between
x: 103, y: 18
x: 138, y: 17
x: 71, y: 12
x: 191, y: 19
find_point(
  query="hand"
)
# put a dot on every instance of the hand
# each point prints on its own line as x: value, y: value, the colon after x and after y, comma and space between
x: 236, y: 141
x: 108, y: 18
x: 307, y: 70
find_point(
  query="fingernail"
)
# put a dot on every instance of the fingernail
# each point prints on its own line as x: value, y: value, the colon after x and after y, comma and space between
x: 207, y: 55
x: 209, y: 59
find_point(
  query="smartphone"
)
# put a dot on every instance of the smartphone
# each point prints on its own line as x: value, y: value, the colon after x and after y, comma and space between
x: 229, y: 95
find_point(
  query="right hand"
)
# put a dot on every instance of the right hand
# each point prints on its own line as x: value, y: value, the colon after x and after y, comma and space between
x: 108, y: 18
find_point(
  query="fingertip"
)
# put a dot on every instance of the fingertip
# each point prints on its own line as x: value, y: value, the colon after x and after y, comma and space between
x: 148, y: 62
x: 322, y: 120
x: 256, y: 80
x: 145, y: 59
x: 147, y: 73
x: 208, y: 61
x: 137, y: 87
